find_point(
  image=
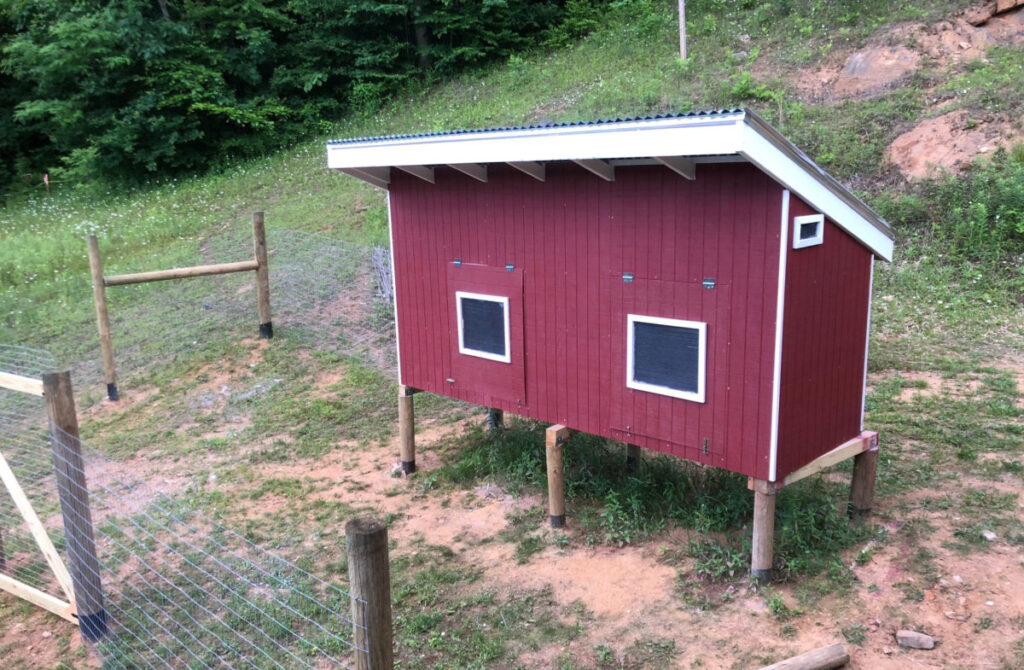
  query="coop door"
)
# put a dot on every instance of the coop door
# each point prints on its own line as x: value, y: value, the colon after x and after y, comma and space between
x: 671, y: 347
x: 486, y: 334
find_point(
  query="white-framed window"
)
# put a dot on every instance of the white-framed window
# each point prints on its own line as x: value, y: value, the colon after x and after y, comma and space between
x: 808, y: 230
x: 483, y: 326
x: 666, y: 356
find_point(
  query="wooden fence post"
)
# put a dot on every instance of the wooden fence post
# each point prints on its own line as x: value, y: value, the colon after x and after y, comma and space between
x: 259, y: 247
x: 369, y: 575
x: 74, y: 503
x: 99, y: 296
x: 3, y: 554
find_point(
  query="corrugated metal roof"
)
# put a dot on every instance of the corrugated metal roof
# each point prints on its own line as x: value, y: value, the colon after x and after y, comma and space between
x: 538, y: 126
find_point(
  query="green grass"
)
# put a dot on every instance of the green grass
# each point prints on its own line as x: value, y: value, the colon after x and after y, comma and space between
x: 949, y: 305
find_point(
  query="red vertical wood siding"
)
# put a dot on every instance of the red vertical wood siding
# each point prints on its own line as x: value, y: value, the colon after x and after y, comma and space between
x: 571, y: 238
x: 823, y: 344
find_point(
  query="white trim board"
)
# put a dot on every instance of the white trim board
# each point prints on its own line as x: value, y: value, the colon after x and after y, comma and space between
x: 867, y: 344
x: 501, y: 300
x: 702, y: 354
x: 740, y: 134
x: 780, y: 306
x: 394, y: 290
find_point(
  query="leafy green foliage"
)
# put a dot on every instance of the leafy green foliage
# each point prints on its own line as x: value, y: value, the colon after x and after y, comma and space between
x: 120, y: 88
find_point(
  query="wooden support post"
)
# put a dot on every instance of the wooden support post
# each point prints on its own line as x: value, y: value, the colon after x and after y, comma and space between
x: 407, y: 429
x: 826, y: 658
x: 555, y: 438
x: 764, y: 532
x: 495, y: 420
x: 369, y: 575
x: 862, y: 487
x: 99, y: 297
x: 74, y: 503
x: 3, y: 554
x: 632, y: 457
x: 259, y: 247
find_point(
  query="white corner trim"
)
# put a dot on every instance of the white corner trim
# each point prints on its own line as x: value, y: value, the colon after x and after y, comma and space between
x: 765, y: 155
x: 503, y: 301
x: 780, y: 305
x: 394, y: 291
x: 867, y: 344
x: 702, y: 351
x: 799, y: 241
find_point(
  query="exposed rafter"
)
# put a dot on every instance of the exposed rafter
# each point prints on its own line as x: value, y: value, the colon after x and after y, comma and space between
x: 532, y: 168
x: 422, y: 171
x: 602, y: 169
x: 375, y: 176
x: 474, y: 170
x: 685, y: 167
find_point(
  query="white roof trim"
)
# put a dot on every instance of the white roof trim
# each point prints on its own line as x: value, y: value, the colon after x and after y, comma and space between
x: 740, y: 133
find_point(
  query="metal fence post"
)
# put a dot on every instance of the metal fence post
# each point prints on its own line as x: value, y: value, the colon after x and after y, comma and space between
x: 369, y: 575
x: 74, y: 504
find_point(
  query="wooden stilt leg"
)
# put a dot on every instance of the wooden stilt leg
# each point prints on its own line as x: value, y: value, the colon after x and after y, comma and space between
x: 495, y: 420
x: 555, y: 438
x: 632, y: 457
x: 407, y: 429
x: 764, y: 531
x: 862, y: 488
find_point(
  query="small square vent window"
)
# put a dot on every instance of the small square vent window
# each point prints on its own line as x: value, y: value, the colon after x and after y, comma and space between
x: 483, y: 326
x: 808, y: 230
x: 666, y: 356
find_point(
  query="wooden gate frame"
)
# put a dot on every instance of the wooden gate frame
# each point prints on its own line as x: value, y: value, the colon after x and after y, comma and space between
x: 100, y: 283
x: 66, y: 610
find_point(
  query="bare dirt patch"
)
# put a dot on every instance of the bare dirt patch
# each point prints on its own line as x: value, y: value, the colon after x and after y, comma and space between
x: 43, y: 640
x: 893, y: 55
x: 950, y: 142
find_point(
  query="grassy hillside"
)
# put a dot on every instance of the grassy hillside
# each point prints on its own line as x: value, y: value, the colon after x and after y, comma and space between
x: 629, y: 66
x: 948, y: 329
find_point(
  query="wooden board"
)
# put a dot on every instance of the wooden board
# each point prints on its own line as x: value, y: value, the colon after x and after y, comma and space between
x: 569, y: 236
x: 39, y: 598
x: 35, y: 526
x: 23, y: 384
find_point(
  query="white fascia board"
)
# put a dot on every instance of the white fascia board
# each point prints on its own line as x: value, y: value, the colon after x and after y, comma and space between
x: 788, y: 172
x: 686, y: 136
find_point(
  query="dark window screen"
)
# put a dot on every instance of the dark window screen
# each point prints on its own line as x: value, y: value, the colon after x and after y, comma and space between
x: 483, y: 326
x: 666, y: 356
x: 809, y: 230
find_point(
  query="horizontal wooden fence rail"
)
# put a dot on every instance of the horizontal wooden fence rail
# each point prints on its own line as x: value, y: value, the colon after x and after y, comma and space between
x: 257, y: 264
x: 13, y: 382
x: 180, y: 273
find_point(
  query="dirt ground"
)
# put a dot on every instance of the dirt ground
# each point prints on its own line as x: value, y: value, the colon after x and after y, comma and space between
x: 951, y: 139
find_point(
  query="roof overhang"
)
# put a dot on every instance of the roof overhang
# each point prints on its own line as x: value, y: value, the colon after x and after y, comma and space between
x: 678, y: 142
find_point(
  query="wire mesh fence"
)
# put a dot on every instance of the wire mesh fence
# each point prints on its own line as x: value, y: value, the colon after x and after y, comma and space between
x: 23, y: 428
x: 178, y: 589
x: 327, y: 294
